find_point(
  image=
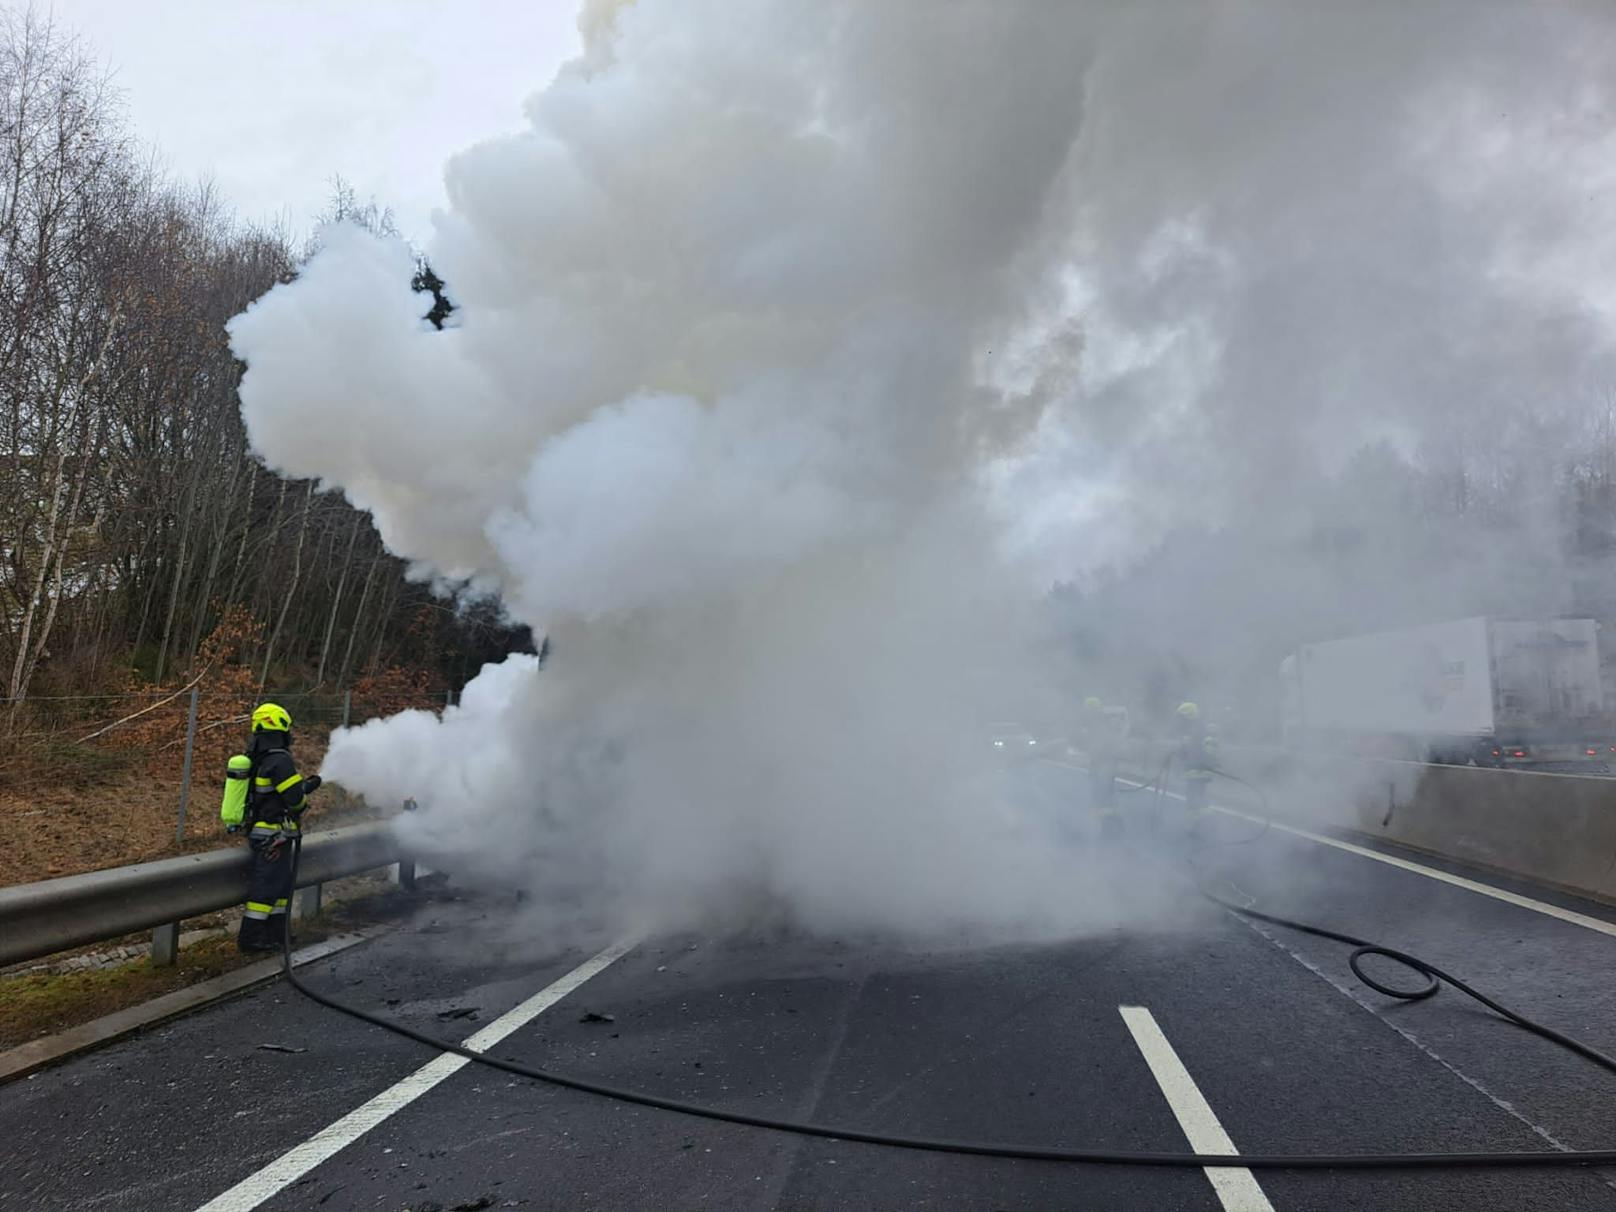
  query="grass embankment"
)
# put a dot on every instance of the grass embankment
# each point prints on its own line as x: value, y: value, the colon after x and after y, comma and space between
x: 128, y: 815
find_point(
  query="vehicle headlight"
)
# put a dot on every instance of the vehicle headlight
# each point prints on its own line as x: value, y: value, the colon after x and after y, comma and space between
x: 998, y: 744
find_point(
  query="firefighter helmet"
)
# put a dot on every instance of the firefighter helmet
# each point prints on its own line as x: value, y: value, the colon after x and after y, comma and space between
x: 271, y: 717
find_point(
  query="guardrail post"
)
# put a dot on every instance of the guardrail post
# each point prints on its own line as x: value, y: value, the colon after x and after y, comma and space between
x: 306, y: 901
x: 165, y: 945
x: 404, y: 873
x: 347, y: 706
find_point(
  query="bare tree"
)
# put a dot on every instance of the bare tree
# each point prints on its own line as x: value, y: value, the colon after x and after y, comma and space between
x: 133, y: 518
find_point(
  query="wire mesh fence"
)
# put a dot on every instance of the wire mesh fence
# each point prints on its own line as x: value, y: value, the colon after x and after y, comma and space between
x: 97, y: 780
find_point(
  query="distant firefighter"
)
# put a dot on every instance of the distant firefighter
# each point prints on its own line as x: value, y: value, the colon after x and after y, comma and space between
x: 1103, y: 742
x: 1197, y: 757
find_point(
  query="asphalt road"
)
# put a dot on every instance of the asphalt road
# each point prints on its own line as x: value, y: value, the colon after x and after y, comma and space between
x: 1026, y: 1044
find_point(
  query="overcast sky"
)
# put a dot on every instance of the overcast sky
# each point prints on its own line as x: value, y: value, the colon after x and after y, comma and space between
x: 271, y: 98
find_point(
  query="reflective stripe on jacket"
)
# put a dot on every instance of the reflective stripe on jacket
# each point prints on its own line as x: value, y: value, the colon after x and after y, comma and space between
x: 277, y: 790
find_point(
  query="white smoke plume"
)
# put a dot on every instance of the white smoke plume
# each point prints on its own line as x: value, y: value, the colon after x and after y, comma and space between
x: 1311, y: 247
x: 800, y: 346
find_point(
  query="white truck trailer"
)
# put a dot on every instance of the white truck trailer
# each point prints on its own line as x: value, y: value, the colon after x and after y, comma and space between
x: 1502, y: 692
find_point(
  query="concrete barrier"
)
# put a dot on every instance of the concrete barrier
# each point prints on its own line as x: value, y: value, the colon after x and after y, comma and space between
x: 1556, y: 829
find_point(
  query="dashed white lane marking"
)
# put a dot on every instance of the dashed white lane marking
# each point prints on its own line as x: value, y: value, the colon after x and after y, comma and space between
x: 297, y: 1162
x: 1457, y: 881
x: 1236, y: 1188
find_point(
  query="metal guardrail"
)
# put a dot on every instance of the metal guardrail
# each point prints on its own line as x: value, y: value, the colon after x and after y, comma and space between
x: 53, y: 915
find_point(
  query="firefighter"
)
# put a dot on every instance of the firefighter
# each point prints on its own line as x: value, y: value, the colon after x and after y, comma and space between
x: 1197, y: 756
x: 275, y: 805
x: 1102, y: 744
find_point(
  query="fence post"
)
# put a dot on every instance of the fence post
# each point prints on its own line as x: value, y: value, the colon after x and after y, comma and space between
x: 448, y: 699
x: 185, y: 778
x: 347, y: 706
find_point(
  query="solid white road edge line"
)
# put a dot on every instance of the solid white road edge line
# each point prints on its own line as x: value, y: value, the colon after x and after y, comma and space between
x: 298, y: 1161
x: 1236, y: 1188
x: 1391, y: 860
x: 1458, y: 881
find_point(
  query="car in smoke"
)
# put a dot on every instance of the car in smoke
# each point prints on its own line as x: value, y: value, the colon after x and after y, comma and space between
x: 1012, y: 742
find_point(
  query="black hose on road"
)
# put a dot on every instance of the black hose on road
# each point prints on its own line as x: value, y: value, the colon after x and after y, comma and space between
x: 1106, y: 1157
x: 1434, y: 977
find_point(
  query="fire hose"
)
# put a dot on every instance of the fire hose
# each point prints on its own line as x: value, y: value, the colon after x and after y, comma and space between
x: 1434, y: 978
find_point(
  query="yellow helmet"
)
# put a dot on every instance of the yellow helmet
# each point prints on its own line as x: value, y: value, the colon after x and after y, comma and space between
x: 1189, y: 711
x: 271, y: 717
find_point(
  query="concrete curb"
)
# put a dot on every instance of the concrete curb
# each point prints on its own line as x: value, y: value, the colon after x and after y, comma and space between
x: 36, y: 1054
